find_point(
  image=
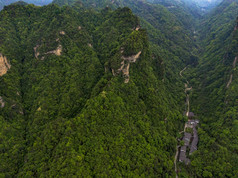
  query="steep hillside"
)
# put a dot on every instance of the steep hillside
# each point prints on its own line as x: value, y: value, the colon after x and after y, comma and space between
x: 82, y: 95
x: 169, y: 38
x: 206, y: 4
x: 88, y: 89
x: 187, y: 12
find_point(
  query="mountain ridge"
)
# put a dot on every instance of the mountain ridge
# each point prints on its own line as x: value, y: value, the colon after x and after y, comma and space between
x: 97, y: 89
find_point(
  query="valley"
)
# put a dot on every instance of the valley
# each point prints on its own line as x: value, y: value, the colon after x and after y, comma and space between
x: 122, y: 88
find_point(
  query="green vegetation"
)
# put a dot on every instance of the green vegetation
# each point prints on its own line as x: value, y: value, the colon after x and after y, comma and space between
x: 23, y: 2
x: 189, y: 130
x: 95, y: 91
x: 213, y: 100
x: 66, y: 113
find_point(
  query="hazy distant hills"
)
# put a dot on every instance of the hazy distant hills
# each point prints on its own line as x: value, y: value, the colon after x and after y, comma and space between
x: 36, y: 2
x: 206, y: 3
x: 195, y: 7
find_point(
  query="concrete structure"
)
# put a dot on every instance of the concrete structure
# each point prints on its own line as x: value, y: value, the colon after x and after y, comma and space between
x: 194, y: 142
x: 188, y: 137
x: 182, y: 155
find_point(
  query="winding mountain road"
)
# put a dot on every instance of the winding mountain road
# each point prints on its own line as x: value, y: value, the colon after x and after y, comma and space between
x: 187, y: 88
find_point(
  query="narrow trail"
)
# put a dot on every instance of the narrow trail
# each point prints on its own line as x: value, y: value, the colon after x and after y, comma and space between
x: 187, y: 89
x: 181, y: 72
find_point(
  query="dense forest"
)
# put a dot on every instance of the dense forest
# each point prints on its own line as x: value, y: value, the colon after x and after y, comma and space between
x: 94, y: 88
x: 36, y: 2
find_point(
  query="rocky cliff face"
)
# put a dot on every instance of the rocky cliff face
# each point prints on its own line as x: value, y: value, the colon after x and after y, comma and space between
x: 125, y: 65
x: 4, y: 65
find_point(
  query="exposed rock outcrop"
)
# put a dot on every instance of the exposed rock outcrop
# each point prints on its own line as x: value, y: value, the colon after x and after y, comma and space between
x: 236, y: 27
x: 57, y: 51
x: 36, y: 51
x: 229, y: 82
x: 125, y: 65
x: 137, y: 28
x: 62, y: 32
x: 234, y: 62
x: 231, y: 76
x: 4, y: 65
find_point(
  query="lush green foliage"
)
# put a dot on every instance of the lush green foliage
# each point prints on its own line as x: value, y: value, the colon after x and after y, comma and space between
x: 36, y: 2
x: 67, y: 114
x: 214, y: 99
x: 68, y: 111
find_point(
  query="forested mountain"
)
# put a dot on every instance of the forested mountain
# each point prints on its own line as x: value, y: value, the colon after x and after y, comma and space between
x: 96, y: 88
x: 169, y: 36
x: 82, y: 94
x: 195, y: 8
x: 36, y: 2
x: 185, y: 10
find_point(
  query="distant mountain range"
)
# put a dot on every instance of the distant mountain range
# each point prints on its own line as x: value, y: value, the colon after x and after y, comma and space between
x: 195, y: 6
x: 36, y: 2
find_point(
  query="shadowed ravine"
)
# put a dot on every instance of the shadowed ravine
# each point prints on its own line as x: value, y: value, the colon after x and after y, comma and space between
x: 187, y: 124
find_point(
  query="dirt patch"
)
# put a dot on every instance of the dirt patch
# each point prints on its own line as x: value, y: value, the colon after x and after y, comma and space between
x: 125, y: 65
x: 4, y: 65
x: 62, y: 32
x: 2, y: 103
